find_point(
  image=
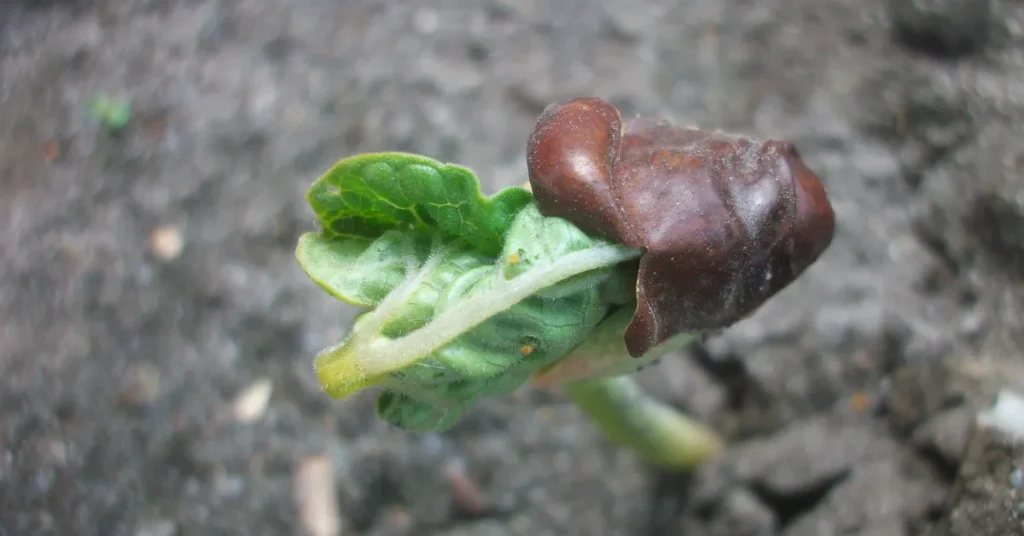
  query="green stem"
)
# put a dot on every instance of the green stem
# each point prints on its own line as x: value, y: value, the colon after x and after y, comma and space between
x: 629, y: 417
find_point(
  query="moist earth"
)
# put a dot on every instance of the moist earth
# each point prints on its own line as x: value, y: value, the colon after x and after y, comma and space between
x: 157, y: 335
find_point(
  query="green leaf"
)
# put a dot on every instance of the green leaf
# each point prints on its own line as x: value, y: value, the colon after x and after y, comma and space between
x: 447, y: 324
x: 113, y: 114
x: 366, y: 195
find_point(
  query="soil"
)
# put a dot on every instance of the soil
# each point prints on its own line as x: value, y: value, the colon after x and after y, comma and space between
x: 147, y: 276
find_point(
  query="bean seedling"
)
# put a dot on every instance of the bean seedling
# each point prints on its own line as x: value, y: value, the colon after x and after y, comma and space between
x: 633, y: 239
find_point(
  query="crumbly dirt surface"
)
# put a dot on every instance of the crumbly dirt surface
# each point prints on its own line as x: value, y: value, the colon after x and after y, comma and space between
x: 149, y: 296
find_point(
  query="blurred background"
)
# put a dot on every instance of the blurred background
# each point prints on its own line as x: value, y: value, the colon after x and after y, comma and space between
x: 157, y: 336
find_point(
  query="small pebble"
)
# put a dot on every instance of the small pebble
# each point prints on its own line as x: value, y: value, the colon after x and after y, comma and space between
x: 1006, y: 415
x: 51, y: 150
x: 1017, y: 478
x: 166, y: 243
x: 860, y: 402
x: 465, y: 492
x: 252, y: 403
x: 316, y: 497
x: 141, y: 387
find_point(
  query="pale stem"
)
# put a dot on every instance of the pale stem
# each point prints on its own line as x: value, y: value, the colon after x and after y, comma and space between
x: 631, y: 418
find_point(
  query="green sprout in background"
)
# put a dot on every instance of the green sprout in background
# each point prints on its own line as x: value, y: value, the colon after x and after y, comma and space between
x: 113, y: 114
x: 632, y: 240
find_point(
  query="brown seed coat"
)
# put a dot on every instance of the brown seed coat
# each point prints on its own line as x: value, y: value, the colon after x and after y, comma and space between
x: 726, y: 221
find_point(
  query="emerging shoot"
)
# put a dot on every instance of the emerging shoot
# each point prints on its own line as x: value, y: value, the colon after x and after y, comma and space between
x: 642, y: 237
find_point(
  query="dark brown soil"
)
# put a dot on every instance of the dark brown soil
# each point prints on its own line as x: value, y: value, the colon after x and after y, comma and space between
x: 849, y: 400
